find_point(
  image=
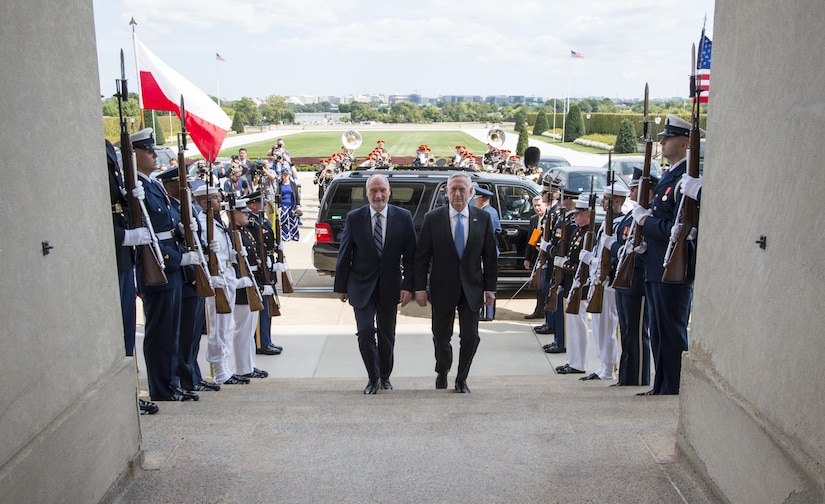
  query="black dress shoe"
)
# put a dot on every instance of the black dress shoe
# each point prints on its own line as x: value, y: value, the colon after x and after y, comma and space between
x: 270, y: 350
x: 441, y: 381
x: 205, y: 386
x: 591, y: 376
x: 177, y: 396
x: 236, y: 380
x: 147, y: 407
x: 256, y: 373
x: 188, y: 395
x: 559, y: 369
x: 570, y: 370
x: 534, y: 315
x: 544, y: 329
x: 649, y: 392
x: 461, y: 387
x: 372, y: 388
x: 385, y: 384
x: 553, y: 348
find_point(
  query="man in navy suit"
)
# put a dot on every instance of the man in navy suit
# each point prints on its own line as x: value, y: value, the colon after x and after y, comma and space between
x: 458, y: 251
x: 377, y: 241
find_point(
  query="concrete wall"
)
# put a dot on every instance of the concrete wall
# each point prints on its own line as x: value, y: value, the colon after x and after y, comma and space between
x: 68, y: 421
x: 753, y: 401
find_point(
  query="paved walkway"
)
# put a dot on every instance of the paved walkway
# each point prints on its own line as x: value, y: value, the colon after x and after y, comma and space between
x: 308, y: 434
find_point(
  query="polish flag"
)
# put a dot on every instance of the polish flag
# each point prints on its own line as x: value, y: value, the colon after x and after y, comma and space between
x: 161, y: 89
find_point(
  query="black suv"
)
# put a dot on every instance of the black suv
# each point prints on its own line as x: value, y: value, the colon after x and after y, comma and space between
x: 419, y: 191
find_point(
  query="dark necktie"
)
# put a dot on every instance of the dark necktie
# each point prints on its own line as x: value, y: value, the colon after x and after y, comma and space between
x: 376, y: 234
x: 459, y: 236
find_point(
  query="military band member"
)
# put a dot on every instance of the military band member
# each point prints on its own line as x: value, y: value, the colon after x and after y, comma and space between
x: 668, y: 303
x: 161, y: 303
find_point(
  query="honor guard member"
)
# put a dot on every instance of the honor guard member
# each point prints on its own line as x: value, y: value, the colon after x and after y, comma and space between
x: 604, y: 324
x: 221, y: 326
x: 555, y: 320
x: 576, y: 323
x: 161, y: 303
x: 125, y: 241
x: 634, y: 360
x: 668, y: 303
x: 192, y: 316
x: 246, y: 321
x: 263, y: 343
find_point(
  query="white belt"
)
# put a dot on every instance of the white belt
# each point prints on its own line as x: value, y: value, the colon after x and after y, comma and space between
x: 253, y: 268
x: 165, y: 235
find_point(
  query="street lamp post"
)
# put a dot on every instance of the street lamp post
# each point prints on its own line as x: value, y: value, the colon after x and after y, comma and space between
x: 588, y: 123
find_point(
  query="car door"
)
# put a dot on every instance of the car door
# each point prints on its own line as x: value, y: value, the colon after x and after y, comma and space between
x: 514, y: 203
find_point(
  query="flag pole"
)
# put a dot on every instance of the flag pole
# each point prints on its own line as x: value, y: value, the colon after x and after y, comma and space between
x: 133, y: 23
x: 217, y: 80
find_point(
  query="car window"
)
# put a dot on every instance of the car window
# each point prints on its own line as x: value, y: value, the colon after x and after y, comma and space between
x: 347, y: 197
x: 515, y: 202
x: 581, y: 181
x: 407, y: 197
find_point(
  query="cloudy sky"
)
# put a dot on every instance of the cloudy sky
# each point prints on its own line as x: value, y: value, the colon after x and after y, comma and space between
x: 461, y: 47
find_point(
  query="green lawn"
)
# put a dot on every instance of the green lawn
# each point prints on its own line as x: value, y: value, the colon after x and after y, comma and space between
x: 398, y: 143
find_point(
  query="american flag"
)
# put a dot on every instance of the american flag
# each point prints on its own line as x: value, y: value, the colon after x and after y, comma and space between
x: 577, y: 55
x: 703, y: 67
x: 219, y: 57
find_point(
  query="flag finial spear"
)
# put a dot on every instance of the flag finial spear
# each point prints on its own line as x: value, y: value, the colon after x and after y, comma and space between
x: 133, y: 23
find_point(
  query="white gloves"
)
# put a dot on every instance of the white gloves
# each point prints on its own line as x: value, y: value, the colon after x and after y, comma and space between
x: 576, y: 284
x: 587, y: 257
x: 608, y: 241
x: 279, y: 267
x: 691, y: 186
x: 244, y: 252
x: 268, y: 291
x: 137, y: 236
x: 641, y: 249
x: 243, y: 282
x: 268, y: 263
x: 544, y: 245
x: 674, y: 232
x: 193, y: 225
x: 217, y: 282
x: 138, y: 191
x: 214, y: 246
x: 189, y: 258
x: 640, y: 213
x: 559, y: 261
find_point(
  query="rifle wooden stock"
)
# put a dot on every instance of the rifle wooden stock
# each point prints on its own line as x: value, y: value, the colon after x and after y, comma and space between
x: 286, y: 284
x: 597, y: 291
x: 221, y: 301
x: 201, y: 278
x: 553, y: 296
x: 575, y: 298
x: 253, y: 295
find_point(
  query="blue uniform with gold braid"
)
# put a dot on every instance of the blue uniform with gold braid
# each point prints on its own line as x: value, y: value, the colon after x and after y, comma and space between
x: 162, y: 303
x: 668, y: 304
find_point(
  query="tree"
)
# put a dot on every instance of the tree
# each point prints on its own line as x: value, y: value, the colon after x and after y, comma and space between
x: 541, y: 123
x: 521, y: 119
x: 248, y: 111
x: 237, y: 123
x: 574, y: 125
x: 625, y: 138
x: 523, y: 139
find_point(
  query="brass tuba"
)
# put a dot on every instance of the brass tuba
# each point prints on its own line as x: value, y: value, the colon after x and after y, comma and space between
x: 495, y: 137
x: 351, y: 139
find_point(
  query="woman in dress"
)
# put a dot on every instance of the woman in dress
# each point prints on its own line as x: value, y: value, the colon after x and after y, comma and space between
x: 289, y: 208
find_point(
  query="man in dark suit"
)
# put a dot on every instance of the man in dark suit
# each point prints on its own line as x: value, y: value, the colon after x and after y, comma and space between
x: 378, y: 239
x: 458, y: 251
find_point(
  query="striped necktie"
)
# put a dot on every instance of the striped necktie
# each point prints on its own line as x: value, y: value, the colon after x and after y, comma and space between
x: 377, y: 232
x: 459, y: 236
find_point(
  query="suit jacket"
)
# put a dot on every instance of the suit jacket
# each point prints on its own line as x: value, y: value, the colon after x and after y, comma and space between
x: 359, y: 267
x: 475, y: 273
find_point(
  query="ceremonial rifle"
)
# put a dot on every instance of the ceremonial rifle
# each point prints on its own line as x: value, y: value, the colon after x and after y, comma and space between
x: 676, y: 257
x: 624, y: 269
x: 215, y: 268
x: 193, y: 243
x: 253, y: 295
x: 597, y: 290
x: 151, y: 256
x: 583, y: 271
x: 561, y: 250
x: 272, y: 304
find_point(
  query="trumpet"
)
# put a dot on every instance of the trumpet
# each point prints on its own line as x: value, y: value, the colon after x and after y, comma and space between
x: 495, y: 137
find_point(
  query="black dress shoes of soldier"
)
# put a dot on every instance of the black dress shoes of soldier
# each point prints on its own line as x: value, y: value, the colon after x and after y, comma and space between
x: 553, y: 348
x: 236, y: 380
x: 534, y: 315
x: 591, y: 376
x: 256, y: 373
x: 461, y: 387
x: 385, y: 384
x: 441, y: 381
x: 372, y: 387
x: 205, y: 386
x: 543, y: 329
x: 270, y: 350
x: 179, y: 395
x: 566, y: 369
x: 147, y: 407
x: 649, y: 392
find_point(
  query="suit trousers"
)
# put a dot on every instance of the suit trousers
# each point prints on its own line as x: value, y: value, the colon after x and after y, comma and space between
x: 375, y: 326
x: 634, y: 362
x: 576, y: 324
x: 669, y: 307
x: 442, y: 325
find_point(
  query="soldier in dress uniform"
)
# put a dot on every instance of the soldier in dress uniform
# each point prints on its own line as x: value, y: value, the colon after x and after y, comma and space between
x: 161, y: 303
x: 634, y: 361
x: 192, y: 317
x: 668, y: 303
x: 263, y: 343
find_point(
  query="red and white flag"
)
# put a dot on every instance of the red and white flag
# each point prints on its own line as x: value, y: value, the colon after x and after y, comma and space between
x: 161, y: 89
